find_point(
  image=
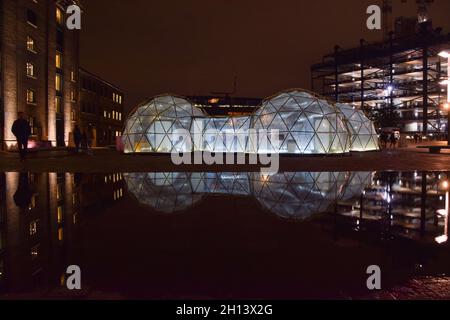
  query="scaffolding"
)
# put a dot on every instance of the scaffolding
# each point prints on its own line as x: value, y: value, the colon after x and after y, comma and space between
x: 402, y: 74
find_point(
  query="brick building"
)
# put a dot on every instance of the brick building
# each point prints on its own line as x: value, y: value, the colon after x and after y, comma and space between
x: 39, y: 70
x: 101, y: 116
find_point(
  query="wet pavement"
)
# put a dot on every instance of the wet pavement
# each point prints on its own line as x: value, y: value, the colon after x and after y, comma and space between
x: 107, y: 160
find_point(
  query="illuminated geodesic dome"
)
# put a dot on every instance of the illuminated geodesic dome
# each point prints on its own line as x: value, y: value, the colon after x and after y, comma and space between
x: 170, y: 192
x: 357, y: 183
x: 153, y: 126
x: 363, y: 134
x: 165, y: 192
x: 298, y: 195
x: 225, y: 134
x: 306, y: 124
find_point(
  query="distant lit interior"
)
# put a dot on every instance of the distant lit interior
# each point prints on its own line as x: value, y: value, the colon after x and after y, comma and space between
x: 297, y: 122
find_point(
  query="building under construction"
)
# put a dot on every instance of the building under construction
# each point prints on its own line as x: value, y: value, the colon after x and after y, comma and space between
x: 403, y: 75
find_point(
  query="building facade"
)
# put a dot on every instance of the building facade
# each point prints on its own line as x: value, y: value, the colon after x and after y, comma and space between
x: 39, y: 73
x: 102, y: 109
x: 226, y: 105
x: 402, y: 75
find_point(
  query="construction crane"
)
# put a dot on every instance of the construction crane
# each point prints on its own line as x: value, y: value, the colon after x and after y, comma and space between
x: 422, y: 13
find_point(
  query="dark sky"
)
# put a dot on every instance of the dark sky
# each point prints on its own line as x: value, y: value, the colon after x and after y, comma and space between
x: 194, y: 47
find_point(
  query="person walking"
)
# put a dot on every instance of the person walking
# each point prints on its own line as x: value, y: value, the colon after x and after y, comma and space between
x: 77, y: 137
x: 393, y: 140
x: 22, y: 131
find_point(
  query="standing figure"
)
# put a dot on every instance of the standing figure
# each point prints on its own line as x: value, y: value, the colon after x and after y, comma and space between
x: 77, y: 137
x: 393, y: 140
x: 383, y: 139
x: 22, y: 131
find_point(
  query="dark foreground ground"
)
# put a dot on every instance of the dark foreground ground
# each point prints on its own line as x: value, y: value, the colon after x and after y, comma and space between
x: 104, y: 160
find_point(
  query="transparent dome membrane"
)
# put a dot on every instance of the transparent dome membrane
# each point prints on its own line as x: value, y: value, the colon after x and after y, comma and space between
x: 363, y: 134
x: 306, y: 125
x: 289, y: 195
x: 291, y: 122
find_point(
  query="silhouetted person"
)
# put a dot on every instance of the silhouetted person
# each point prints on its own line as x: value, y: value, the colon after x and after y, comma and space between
x: 23, y: 195
x: 383, y: 139
x: 416, y: 138
x: 77, y: 137
x: 84, y: 143
x: 393, y: 140
x: 22, y: 131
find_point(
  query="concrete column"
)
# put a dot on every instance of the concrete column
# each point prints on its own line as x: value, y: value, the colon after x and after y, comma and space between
x: 425, y: 90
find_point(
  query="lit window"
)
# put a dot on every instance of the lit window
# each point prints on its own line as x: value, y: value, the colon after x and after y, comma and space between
x: 30, y: 44
x: 32, y: 123
x: 33, y: 198
x: 60, y: 234
x: 30, y: 69
x: 58, y: 192
x: 35, y: 252
x: 31, y: 96
x: 60, y: 214
x: 72, y: 76
x: 58, y: 60
x: 58, y: 105
x: 58, y: 82
x: 59, y: 16
x: 34, y: 227
x: 105, y: 114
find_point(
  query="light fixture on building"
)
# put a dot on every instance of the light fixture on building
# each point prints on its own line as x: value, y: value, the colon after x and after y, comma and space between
x: 213, y: 100
x: 444, y: 54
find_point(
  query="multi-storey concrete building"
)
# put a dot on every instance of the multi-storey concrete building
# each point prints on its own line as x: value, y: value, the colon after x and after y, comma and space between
x: 101, y: 116
x: 404, y: 74
x: 39, y: 70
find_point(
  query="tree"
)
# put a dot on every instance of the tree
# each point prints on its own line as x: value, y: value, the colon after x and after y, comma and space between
x: 385, y: 118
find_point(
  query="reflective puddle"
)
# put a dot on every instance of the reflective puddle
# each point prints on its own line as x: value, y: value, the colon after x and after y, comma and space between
x: 220, y: 235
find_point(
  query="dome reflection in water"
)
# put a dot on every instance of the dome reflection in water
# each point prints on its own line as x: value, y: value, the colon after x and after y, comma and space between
x: 291, y: 195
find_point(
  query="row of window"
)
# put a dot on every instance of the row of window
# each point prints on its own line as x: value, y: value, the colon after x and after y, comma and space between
x: 101, y: 89
x: 31, y: 94
x: 112, y: 115
x: 33, y: 19
x: 31, y: 72
x: 31, y: 69
x: 117, y: 98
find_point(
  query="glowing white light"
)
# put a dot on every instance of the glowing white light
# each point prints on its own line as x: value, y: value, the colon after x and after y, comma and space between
x: 441, y: 239
x: 444, y: 54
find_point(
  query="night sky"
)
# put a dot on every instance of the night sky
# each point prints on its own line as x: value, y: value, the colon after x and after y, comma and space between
x: 195, y: 47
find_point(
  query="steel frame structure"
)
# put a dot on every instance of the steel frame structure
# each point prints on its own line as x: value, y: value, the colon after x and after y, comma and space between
x: 402, y: 74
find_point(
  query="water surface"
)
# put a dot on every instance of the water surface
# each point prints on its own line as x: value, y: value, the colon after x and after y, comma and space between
x: 220, y: 235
